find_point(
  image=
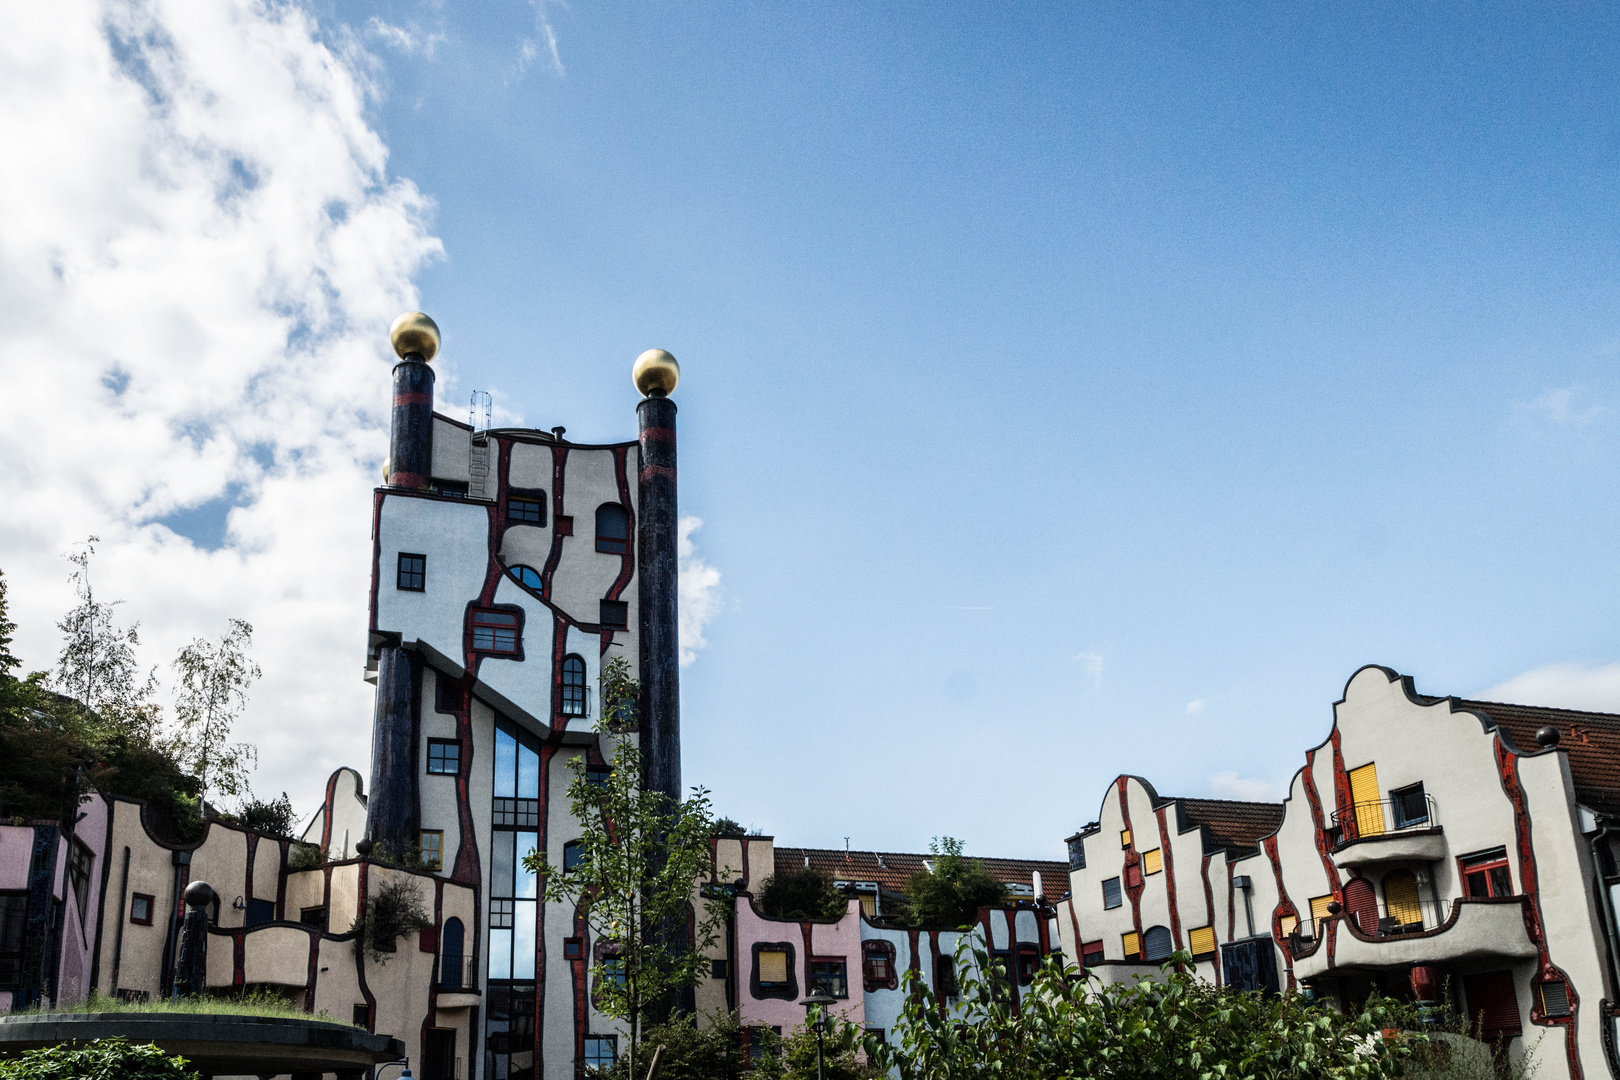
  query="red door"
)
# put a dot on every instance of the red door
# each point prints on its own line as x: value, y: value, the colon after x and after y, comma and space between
x: 1361, y: 904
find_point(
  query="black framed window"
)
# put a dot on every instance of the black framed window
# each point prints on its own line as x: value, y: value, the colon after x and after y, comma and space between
x: 500, y: 914
x: 573, y: 854
x: 1077, y: 854
x: 573, y: 948
x: 79, y: 859
x: 598, y: 775
x: 575, y: 701
x: 13, y: 936
x: 495, y: 631
x: 612, y: 529
x: 717, y: 969
x: 1410, y: 806
x: 412, y: 572
x: 1111, y: 893
x: 526, y: 511
x: 828, y: 975
x: 313, y: 916
x: 518, y: 813
x: 444, y: 757
x: 601, y: 1051
x: 615, y: 614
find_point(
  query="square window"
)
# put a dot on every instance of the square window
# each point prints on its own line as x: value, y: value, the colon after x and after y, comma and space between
x: 1201, y: 941
x: 717, y: 969
x: 615, y: 615
x: 1132, y: 945
x: 1091, y: 953
x: 773, y: 968
x: 444, y: 757
x: 1077, y: 854
x: 313, y: 916
x: 1124, y: 838
x: 1410, y: 806
x: 574, y: 854
x: 565, y: 525
x: 1111, y: 894
x: 1486, y: 874
x: 878, y: 1034
x: 828, y: 975
x: 500, y: 914
x: 1152, y: 861
x: 362, y: 1016
x: 613, y: 969
x: 412, y: 572
x: 526, y: 511
x: 601, y: 1050
x: 495, y: 631
x: 598, y: 775
x: 140, y: 909
x: 432, y: 845
x: 573, y: 948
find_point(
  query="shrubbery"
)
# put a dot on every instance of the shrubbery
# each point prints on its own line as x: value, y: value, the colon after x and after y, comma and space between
x: 103, y: 1059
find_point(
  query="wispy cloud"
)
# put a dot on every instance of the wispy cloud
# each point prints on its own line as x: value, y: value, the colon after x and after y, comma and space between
x: 1092, y: 664
x: 699, y: 591
x: 202, y: 257
x: 411, y: 39
x: 1594, y: 687
x: 1565, y: 408
x: 1229, y: 785
x: 1196, y: 707
x: 543, y: 41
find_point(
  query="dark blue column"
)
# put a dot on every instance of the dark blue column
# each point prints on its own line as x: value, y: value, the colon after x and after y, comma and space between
x: 391, y: 805
x: 410, y: 447
x: 659, y: 597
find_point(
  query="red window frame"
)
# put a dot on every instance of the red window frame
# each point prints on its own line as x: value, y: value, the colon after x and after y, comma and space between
x: 498, y: 631
x: 1485, y: 874
x: 616, y: 514
x: 151, y: 902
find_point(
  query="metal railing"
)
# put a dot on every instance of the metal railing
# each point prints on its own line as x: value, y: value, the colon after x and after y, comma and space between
x: 458, y: 973
x: 1405, y: 918
x: 1380, y: 817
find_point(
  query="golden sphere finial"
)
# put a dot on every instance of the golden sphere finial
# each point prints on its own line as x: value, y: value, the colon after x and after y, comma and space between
x: 414, y: 332
x: 656, y: 372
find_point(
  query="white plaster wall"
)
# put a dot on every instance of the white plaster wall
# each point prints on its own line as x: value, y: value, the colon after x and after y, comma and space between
x: 348, y: 813
x: 437, y: 792
x: 530, y: 467
x: 589, y: 649
x: 583, y: 574
x: 452, y: 451
x: 455, y: 538
x: 527, y: 545
x: 527, y: 682
x: 883, y: 1007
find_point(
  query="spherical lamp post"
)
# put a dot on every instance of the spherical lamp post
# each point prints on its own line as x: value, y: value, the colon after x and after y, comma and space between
x: 819, y: 996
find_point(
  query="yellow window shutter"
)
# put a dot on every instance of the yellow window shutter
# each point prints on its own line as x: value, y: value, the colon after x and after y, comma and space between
x: 1202, y: 941
x: 1319, y: 909
x: 773, y: 967
x: 1133, y: 946
x: 1124, y: 838
x: 1364, y: 793
x: 869, y: 905
x: 1401, y: 897
x: 1152, y: 861
x: 1288, y: 924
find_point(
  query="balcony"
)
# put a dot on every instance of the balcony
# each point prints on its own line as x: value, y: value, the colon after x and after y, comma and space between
x: 1405, y: 827
x: 1467, y: 928
x: 458, y: 982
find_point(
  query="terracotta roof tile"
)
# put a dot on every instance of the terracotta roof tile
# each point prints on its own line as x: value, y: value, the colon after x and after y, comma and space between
x: 893, y: 869
x: 1232, y: 824
x: 1592, y: 740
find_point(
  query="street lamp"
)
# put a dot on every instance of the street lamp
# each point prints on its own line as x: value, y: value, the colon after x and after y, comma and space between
x: 405, y: 1073
x: 819, y: 996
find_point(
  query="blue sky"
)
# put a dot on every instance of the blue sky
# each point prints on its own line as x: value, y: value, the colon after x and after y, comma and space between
x: 1052, y: 369
x: 1068, y: 389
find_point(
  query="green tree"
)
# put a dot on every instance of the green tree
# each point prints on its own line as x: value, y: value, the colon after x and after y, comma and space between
x: 642, y: 855
x: 801, y: 894
x: 210, y: 697
x: 952, y: 893
x: 712, y: 1050
x: 1175, y: 1026
x: 103, y: 1059
x: 270, y: 817
x: 97, y: 665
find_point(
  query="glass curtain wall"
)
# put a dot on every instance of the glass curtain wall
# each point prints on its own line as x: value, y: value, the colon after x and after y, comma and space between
x: 513, y: 905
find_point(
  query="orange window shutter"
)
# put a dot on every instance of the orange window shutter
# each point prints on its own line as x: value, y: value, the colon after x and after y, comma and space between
x: 1133, y: 946
x: 1364, y: 793
x: 1152, y: 861
x: 1319, y: 909
x: 1202, y: 940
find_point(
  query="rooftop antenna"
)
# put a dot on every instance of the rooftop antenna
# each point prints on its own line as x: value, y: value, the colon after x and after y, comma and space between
x: 481, y: 402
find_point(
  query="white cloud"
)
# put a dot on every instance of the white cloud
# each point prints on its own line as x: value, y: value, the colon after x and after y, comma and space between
x: 543, y: 42
x: 1595, y: 687
x: 1196, y: 707
x: 698, y: 591
x: 200, y: 253
x: 1092, y: 664
x: 411, y: 40
x: 1559, y: 408
x: 1229, y: 785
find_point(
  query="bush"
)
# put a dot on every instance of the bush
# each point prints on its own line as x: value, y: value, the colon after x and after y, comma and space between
x: 953, y: 892
x: 270, y: 818
x: 306, y: 856
x: 801, y: 894
x: 714, y: 1051
x: 391, y: 912
x: 103, y: 1059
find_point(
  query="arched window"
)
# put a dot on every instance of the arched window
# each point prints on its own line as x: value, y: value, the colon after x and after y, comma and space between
x: 575, y: 696
x: 1157, y: 943
x: 612, y: 529
x: 1401, y: 898
x: 1361, y: 904
x: 526, y: 576
x: 451, y: 964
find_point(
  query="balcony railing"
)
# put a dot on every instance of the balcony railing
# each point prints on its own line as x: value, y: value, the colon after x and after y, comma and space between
x: 1384, y: 816
x: 1405, y: 918
x: 458, y: 973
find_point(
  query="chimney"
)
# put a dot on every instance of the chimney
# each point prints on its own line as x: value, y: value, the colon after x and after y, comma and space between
x: 415, y: 338
x: 655, y: 375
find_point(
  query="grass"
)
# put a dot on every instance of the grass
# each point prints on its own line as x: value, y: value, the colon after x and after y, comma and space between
x: 256, y: 1003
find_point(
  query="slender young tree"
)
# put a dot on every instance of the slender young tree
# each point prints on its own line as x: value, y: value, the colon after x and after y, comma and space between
x: 210, y: 697
x: 642, y: 857
x: 97, y: 664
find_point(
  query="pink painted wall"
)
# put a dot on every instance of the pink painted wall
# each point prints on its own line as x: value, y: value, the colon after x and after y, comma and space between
x: 840, y: 939
x: 16, y: 852
x: 73, y: 978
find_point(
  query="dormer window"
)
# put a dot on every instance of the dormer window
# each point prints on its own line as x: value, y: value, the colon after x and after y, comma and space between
x: 495, y: 631
x: 612, y: 529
